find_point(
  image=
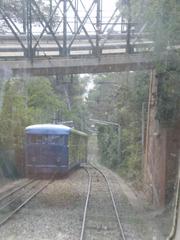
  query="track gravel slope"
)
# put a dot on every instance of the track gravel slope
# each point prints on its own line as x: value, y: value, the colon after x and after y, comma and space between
x: 57, y: 212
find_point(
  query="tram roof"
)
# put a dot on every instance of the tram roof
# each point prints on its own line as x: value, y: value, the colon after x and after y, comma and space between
x: 52, y: 129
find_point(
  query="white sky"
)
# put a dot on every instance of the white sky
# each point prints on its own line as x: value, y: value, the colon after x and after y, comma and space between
x: 109, y: 6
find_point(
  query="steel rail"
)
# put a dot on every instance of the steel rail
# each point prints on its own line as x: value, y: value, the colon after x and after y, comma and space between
x: 16, y: 189
x: 18, y: 196
x: 86, y: 204
x: 26, y: 201
x: 172, y: 234
x: 113, y: 201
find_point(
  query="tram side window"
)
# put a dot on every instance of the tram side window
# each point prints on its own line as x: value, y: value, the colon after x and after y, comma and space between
x: 56, y: 139
x: 46, y: 139
x: 34, y: 139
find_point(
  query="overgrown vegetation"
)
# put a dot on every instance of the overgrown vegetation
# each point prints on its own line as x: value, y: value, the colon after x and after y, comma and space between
x: 168, y: 112
x: 165, y: 33
x: 108, y: 145
x: 119, y: 98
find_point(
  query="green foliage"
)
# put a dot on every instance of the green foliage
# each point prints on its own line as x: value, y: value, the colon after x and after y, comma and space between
x: 131, y: 152
x: 130, y: 115
x: 159, y: 18
x: 71, y: 89
x: 168, y: 112
x: 108, y: 145
x: 15, y: 9
x: 118, y: 97
x: 102, y: 99
x: 42, y: 100
x: 13, y: 115
x: 163, y: 24
x: 162, y: 19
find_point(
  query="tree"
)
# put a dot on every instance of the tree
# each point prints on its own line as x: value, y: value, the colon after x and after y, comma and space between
x: 42, y: 101
x: 71, y: 89
x: 16, y: 10
x: 165, y: 33
x: 25, y: 103
x: 161, y: 19
x: 13, y: 114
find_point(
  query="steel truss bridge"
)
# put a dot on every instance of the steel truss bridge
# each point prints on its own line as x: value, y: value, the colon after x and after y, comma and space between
x: 71, y: 36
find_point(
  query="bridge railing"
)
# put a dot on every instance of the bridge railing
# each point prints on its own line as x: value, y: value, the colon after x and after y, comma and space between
x: 67, y: 27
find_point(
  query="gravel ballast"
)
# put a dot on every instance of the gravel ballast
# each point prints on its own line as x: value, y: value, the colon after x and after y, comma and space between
x: 57, y: 212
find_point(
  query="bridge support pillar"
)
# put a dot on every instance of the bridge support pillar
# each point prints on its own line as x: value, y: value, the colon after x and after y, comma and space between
x: 161, y: 153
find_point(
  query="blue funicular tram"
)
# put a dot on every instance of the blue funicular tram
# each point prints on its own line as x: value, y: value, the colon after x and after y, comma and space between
x: 53, y: 148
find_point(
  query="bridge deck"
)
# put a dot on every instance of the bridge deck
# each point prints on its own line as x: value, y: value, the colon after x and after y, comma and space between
x: 79, y: 64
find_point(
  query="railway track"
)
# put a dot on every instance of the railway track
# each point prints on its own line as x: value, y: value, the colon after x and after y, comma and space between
x: 12, y: 202
x: 100, y: 219
x: 14, y: 189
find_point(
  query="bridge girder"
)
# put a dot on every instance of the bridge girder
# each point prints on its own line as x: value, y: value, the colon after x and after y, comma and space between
x: 78, y: 65
x: 71, y: 19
